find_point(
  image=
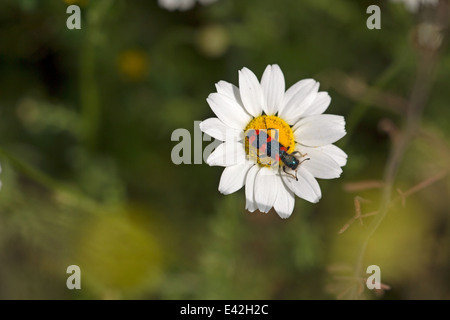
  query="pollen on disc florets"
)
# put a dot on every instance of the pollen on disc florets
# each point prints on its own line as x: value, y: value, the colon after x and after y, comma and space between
x: 264, y: 122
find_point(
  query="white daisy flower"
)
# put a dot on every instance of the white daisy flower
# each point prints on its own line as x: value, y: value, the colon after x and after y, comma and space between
x: 305, y: 133
x: 182, y: 5
x: 413, y: 5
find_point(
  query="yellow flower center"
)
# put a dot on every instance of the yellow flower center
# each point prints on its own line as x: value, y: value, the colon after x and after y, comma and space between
x: 272, y: 126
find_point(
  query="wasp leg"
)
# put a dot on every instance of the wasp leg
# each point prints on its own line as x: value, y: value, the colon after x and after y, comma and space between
x: 284, y: 170
x: 295, y: 152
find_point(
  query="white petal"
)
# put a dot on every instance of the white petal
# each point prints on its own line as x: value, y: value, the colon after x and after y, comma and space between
x: 336, y: 153
x: 273, y: 87
x: 250, y: 203
x: 266, y: 188
x: 306, y: 187
x: 284, y: 204
x: 218, y: 130
x: 319, y: 105
x: 227, y: 154
x: 230, y: 90
x: 228, y: 110
x: 299, y: 103
x: 319, y: 130
x: 251, y: 92
x: 331, y: 150
x: 292, y: 91
x: 233, y: 177
x: 296, y: 103
x: 320, y: 164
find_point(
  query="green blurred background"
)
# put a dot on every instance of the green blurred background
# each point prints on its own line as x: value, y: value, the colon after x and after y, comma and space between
x: 86, y: 118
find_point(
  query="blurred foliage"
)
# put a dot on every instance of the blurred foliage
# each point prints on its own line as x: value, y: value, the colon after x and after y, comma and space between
x: 94, y: 110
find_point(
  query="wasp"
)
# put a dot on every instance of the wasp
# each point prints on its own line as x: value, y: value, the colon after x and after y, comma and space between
x: 270, y: 151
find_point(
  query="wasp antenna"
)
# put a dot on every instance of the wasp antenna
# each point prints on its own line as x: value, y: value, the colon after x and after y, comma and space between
x: 304, y: 160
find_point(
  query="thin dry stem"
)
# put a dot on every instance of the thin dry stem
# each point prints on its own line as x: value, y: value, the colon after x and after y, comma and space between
x: 363, y: 185
x: 401, y: 197
x: 428, y: 58
x: 354, y: 88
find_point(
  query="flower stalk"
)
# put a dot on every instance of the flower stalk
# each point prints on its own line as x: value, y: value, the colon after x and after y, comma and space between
x: 428, y: 59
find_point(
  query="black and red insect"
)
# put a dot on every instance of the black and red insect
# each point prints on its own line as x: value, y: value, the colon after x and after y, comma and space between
x: 270, y: 151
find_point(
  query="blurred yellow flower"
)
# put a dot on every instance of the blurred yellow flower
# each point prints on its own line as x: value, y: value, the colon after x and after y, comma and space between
x: 133, y: 64
x: 400, y: 247
x: 213, y: 40
x: 117, y: 255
